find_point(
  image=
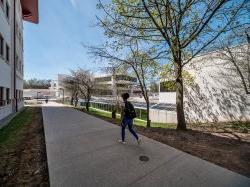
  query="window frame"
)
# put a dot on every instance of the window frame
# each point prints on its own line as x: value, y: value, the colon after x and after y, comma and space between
x: 8, y: 95
x: 2, y: 101
x: 2, y: 4
x: 7, y: 56
x: 1, y: 46
x: 7, y: 10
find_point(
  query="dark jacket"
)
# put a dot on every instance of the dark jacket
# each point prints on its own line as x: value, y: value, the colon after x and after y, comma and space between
x: 129, y: 110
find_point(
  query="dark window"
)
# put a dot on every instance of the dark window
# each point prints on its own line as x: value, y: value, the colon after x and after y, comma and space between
x: 1, y: 45
x: 2, y: 102
x: 126, y: 78
x: 7, y: 53
x: 103, y: 79
x: 17, y: 94
x: 8, y: 95
x: 17, y: 63
x: 7, y: 10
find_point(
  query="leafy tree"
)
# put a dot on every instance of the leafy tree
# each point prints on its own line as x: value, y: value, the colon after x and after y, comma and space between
x: 154, y: 87
x: 141, y: 63
x: 184, y: 28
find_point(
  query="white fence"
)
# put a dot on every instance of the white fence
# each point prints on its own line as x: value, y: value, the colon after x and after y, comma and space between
x: 162, y: 116
x: 156, y: 115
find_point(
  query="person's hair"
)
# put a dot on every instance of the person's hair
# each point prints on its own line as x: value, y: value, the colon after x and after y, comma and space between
x: 125, y: 95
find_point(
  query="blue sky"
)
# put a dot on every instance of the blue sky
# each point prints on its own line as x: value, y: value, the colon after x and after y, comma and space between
x: 54, y: 45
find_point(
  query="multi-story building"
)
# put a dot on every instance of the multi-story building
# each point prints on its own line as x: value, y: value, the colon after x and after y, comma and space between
x: 106, y: 85
x: 12, y: 14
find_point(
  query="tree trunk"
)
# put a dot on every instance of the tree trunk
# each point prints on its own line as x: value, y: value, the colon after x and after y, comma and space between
x: 148, y: 119
x: 87, y: 105
x: 76, y: 99
x: 114, y: 113
x: 181, y: 123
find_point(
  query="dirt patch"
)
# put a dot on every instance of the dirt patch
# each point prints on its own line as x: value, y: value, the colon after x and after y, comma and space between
x: 223, y: 151
x: 229, y: 149
x: 23, y: 156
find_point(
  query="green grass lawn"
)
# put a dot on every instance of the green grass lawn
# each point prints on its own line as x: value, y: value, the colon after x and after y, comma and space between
x: 9, y: 133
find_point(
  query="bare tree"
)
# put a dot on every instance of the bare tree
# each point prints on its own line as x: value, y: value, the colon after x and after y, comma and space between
x: 71, y: 86
x: 86, y: 82
x: 141, y: 63
x: 236, y: 57
x: 184, y: 27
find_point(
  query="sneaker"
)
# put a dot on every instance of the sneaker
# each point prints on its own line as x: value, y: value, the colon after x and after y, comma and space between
x: 123, y: 142
x: 139, y: 141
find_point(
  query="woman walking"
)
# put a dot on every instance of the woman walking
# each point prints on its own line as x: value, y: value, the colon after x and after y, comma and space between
x: 128, y: 114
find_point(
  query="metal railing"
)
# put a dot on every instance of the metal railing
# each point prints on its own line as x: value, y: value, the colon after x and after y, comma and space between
x: 141, y: 113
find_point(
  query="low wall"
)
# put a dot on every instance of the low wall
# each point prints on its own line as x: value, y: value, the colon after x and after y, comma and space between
x: 167, y: 97
x: 162, y: 116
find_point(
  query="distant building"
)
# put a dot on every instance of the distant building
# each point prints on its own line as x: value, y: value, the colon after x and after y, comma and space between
x: 105, y: 85
x: 57, y: 86
x: 11, y: 51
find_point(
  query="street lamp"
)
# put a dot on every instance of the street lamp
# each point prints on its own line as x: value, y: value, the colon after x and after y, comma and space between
x: 63, y: 94
x: 37, y: 96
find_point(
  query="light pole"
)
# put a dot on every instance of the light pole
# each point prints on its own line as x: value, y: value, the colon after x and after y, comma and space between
x: 63, y: 94
x: 37, y: 96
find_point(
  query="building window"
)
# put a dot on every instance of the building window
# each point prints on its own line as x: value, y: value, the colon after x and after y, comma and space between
x: 2, y: 102
x: 17, y: 63
x: 1, y: 3
x: 17, y: 95
x: 7, y: 53
x: 7, y: 10
x: 1, y: 45
x: 8, y: 95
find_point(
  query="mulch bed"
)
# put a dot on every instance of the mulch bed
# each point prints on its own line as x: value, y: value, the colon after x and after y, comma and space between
x: 225, y: 151
x: 25, y: 162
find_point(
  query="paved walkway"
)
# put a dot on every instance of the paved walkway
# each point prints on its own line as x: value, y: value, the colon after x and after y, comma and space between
x: 83, y: 151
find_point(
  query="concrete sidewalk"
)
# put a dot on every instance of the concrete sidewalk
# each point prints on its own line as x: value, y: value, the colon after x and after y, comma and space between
x: 83, y: 151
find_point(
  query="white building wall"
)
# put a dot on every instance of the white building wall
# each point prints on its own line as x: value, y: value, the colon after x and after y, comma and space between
x: 217, y: 93
x: 5, y: 111
x: 7, y: 69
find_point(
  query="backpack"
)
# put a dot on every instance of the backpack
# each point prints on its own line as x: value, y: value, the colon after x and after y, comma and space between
x: 129, y: 110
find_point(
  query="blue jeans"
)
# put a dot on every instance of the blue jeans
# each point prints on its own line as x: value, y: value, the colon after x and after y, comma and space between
x: 128, y: 122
